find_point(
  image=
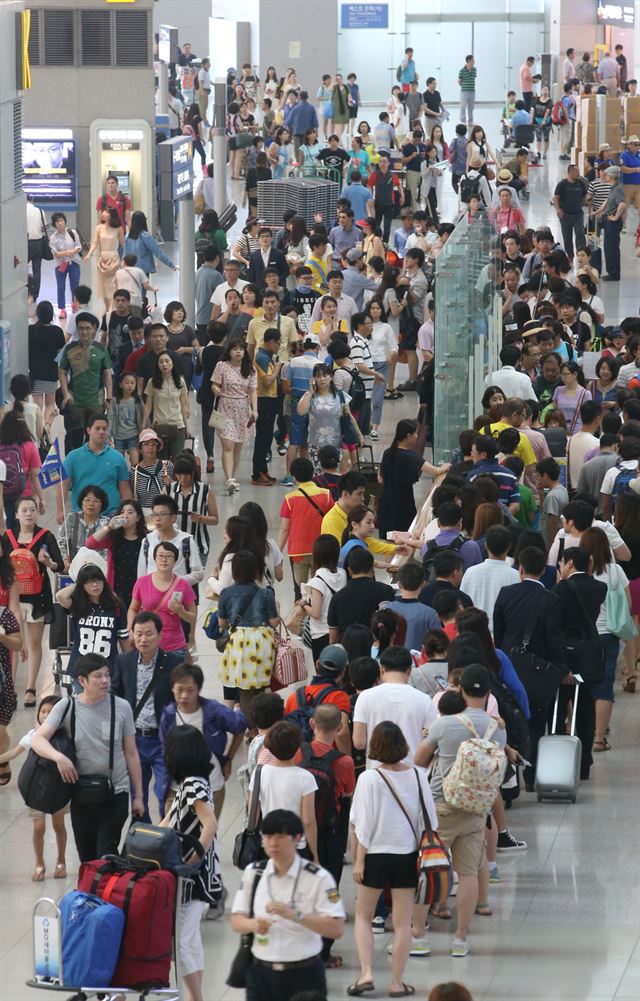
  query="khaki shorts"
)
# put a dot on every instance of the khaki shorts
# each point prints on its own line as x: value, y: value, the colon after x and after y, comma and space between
x: 632, y: 195
x: 301, y: 568
x: 37, y: 815
x: 463, y: 834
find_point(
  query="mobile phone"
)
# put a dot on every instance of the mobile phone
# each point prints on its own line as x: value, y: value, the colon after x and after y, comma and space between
x: 251, y: 421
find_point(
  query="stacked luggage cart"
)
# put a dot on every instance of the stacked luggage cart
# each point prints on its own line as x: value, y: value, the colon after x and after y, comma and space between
x: 306, y: 196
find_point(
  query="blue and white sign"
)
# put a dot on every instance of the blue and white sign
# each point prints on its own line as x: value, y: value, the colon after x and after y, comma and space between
x: 365, y: 15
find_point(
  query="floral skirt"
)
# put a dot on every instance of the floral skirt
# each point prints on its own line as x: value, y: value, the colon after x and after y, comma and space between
x: 248, y: 658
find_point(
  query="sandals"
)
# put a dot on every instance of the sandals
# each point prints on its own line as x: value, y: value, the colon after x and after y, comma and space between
x: 5, y: 775
x: 601, y: 745
x: 60, y: 871
x: 38, y: 874
x: 29, y: 703
x: 360, y: 987
x: 443, y: 913
x: 483, y: 910
x: 333, y: 962
x: 629, y: 684
x: 407, y: 991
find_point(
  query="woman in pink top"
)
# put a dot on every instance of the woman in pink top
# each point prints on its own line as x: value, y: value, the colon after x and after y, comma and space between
x: 508, y: 216
x: 19, y: 453
x: 169, y: 596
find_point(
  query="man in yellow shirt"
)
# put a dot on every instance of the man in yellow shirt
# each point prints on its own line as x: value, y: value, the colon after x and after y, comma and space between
x: 513, y: 412
x: 271, y: 318
x: 318, y: 263
x: 351, y: 488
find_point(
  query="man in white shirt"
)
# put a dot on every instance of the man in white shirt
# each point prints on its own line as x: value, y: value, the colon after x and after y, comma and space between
x: 629, y: 454
x: 483, y: 581
x: 394, y: 700
x: 232, y: 280
x: 569, y: 66
x: 511, y: 382
x: 346, y: 304
x: 35, y: 231
x: 188, y: 565
x: 204, y: 89
x: 582, y: 442
x: 577, y: 517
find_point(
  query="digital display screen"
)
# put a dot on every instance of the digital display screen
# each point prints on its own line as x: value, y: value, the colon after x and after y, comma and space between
x: 49, y: 167
x: 176, y: 168
x: 619, y: 13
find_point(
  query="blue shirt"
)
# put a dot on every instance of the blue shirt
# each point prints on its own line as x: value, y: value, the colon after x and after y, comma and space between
x: 469, y: 551
x: 400, y: 238
x: 629, y: 159
x: 106, y: 469
x: 505, y: 479
x: 408, y: 74
x: 299, y: 371
x: 342, y: 240
x: 418, y: 617
x: 521, y: 117
x: 509, y: 677
x: 146, y: 250
x: 358, y: 195
x: 303, y: 116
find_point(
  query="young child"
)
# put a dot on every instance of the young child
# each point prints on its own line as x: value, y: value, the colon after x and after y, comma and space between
x: 39, y: 819
x: 508, y: 111
x: 447, y: 604
x: 125, y: 417
x: 528, y: 516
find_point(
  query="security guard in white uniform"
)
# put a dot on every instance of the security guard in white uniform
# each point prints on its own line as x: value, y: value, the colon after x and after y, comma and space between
x: 295, y: 903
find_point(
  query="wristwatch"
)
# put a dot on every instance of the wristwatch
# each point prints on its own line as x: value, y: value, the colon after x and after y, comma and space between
x: 298, y: 916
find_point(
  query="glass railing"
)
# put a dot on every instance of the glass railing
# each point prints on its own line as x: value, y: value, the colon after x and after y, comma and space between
x: 468, y: 329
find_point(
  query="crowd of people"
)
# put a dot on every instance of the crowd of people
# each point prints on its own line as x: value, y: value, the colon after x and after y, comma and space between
x: 528, y: 542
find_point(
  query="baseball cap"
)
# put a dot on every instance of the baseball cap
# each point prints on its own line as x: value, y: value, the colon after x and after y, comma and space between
x: 333, y: 658
x: 149, y: 435
x: 312, y: 338
x: 475, y: 680
x: 354, y: 255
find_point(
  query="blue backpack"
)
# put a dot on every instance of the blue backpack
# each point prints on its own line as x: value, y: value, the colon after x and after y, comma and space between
x: 621, y: 483
x: 303, y: 712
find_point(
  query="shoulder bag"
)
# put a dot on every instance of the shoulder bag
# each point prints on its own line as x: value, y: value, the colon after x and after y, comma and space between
x: 47, y: 252
x: 244, y: 956
x: 95, y: 790
x: 347, y: 429
x: 247, y: 847
x: 585, y: 653
x: 39, y: 782
x: 619, y: 618
x: 289, y: 666
x: 223, y: 639
x: 540, y: 677
x: 435, y: 875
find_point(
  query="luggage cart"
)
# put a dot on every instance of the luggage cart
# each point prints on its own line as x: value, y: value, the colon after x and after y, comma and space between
x: 369, y: 469
x: 47, y: 960
x: 61, y: 640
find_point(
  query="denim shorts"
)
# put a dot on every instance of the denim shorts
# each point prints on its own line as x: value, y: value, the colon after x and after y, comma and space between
x: 126, y: 444
x: 299, y: 430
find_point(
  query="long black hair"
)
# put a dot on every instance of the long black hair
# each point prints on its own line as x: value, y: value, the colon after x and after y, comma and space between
x: 7, y: 573
x: 138, y: 225
x: 80, y: 602
x: 157, y: 378
x: 254, y: 514
x: 246, y: 366
x: 476, y: 621
x: 241, y: 535
x: 209, y: 221
x: 117, y: 534
x: 404, y: 428
x: 322, y: 369
x: 13, y: 429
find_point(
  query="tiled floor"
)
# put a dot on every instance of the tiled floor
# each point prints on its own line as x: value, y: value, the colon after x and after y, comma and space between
x: 566, y: 915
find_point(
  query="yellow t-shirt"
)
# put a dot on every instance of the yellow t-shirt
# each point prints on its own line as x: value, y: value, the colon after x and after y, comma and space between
x: 319, y: 271
x: 288, y: 333
x: 524, y: 450
x: 335, y: 522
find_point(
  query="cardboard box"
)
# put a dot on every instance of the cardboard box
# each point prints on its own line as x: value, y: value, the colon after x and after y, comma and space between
x: 631, y: 129
x: 631, y: 110
x: 590, y: 138
x: 587, y: 109
x: 613, y: 111
x: 612, y: 135
x: 579, y: 129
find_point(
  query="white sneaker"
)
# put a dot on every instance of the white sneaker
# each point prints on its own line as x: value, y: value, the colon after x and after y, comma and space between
x: 419, y: 947
x: 459, y: 948
x: 377, y: 925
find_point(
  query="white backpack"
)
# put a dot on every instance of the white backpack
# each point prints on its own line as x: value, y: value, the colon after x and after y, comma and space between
x: 476, y: 775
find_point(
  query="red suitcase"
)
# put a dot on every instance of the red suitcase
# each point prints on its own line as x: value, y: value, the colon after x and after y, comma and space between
x: 149, y: 901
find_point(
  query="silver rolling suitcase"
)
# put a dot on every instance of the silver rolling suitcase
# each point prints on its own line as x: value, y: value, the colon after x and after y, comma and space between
x: 559, y: 756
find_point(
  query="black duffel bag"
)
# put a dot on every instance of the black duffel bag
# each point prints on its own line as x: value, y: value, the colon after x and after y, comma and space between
x: 540, y: 677
x: 40, y: 783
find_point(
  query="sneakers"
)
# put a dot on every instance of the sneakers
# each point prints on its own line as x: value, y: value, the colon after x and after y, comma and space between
x: 232, y: 486
x: 287, y: 481
x: 374, y: 435
x: 419, y: 947
x: 216, y: 911
x: 459, y: 948
x: 507, y: 842
x: 377, y: 925
x: 62, y: 315
x: 282, y: 449
x: 210, y: 466
x: 494, y: 875
x: 262, y: 480
x: 408, y: 387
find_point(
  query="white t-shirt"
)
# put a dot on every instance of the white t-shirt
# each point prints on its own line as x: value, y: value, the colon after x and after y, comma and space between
x: 323, y: 581
x: 26, y: 740
x: 3, y: 471
x: 615, y: 577
x: 379, y: 823
x: 283, y: 789
x: 611, y: 475
x: 411, y: 709
x: 613, y: 535
x: 221, y: 290
x: 383, y: 342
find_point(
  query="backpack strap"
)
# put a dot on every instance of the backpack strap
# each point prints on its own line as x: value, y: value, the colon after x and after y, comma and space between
x: 186, y: 552
x: 312, y: 502
x: 323, y: 695
x: 397, y: 799
x: 254, y: 806
x: 488, y: 733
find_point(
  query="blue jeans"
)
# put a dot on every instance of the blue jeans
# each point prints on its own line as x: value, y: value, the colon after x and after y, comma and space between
x: 152, y: 764
x: 604, y: 690
x: 378, y: 391
x: 73, y: 272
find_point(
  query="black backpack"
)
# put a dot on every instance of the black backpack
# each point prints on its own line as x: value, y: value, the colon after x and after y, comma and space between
x: 432, y: 551
x: 357, y: 390
x: 320, y: 767
x: 303, y: 712
x: 511, y: 712
x: 469, y: 186
x: 40, y: 783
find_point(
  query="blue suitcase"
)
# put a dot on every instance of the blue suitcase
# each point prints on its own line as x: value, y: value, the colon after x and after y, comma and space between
x: 91, y: 933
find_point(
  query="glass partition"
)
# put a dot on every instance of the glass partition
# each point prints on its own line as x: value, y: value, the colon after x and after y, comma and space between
x: 468, y: 328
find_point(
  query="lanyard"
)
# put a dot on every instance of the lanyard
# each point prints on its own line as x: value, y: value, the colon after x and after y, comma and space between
x: 293, y: 892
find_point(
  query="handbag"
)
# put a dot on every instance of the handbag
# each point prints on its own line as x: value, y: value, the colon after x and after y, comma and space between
x: 540, y: 677
x: 46, y: 251
x: 39, y: 782
x: 149, y: 846
x: 585, y: 654
x: 289, y: 666
x: 95, y: 790
x: 327, y: 109
x: 619, y: 618
x: 225, y: 635
x: 244, y: 956
x: 217, y: 420
x: 435, y: 874
x: 247, y: 847
x: 347, y: 430
x: 295, y: 620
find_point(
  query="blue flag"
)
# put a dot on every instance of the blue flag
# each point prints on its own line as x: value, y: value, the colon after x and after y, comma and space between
x: 52, y: 470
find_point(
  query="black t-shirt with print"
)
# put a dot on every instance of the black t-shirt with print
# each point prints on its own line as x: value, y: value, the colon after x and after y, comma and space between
x: 333, y: 157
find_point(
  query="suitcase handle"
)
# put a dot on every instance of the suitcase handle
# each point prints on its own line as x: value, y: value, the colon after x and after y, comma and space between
x: 573, y: 715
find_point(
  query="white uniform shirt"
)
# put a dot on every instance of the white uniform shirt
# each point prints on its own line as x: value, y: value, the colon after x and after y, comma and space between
x: 511, y: 383
x: 305, y: 887
x: 147, y: 563
x: 412, y: 710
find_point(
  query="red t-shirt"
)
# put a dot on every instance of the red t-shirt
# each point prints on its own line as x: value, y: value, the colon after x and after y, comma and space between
x: 304, y: 520
x: 343, y: 768
x: 131, y: 364
x: 451, y: 630
x: 336, y: 698
x: 121, y: 203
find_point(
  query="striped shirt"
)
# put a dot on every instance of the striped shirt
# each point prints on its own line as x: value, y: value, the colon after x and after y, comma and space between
x: 467, y: 78
x: 598, y: 192
x: 361, y: 354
